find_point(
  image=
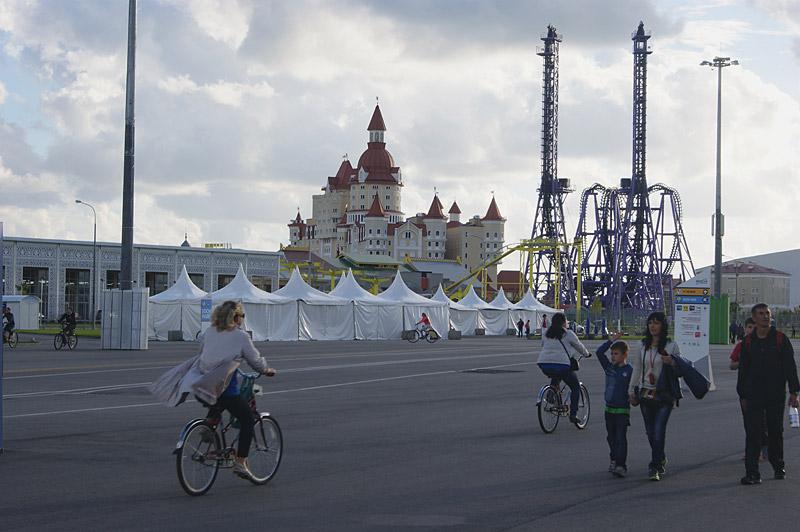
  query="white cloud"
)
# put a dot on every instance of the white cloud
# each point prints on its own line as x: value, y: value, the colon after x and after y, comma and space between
x: 241, y: 117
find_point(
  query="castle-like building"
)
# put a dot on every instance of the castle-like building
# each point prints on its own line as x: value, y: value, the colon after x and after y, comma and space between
x: 359, y: 213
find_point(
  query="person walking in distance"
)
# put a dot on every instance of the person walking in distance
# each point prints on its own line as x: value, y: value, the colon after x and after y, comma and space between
x: 766, y: 366
x: 749, y: 325
x: 520, y: 326
x: 544, y: 323
x: 527, y: 328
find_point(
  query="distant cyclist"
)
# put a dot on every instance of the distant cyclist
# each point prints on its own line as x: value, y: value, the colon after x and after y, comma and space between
x: 68, y: 322
x: 424, y: 323
x: 8, y: 318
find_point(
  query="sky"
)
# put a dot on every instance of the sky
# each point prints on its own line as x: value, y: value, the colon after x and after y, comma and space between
x: 244, y: 107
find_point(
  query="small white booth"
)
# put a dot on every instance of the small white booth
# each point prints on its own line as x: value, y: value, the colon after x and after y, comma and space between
x: 463, y: 318
x: 320, y: 316
x: 25, y: 309
x: 175, y: 309
x: 268, y: 316
x: 495, y: 320
x: 414, y: 305
x: 527, y: 309
x: 373, y: 317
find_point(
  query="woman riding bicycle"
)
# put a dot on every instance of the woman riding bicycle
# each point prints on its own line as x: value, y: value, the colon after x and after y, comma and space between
x: 559, y: 345
x: 211, y: 376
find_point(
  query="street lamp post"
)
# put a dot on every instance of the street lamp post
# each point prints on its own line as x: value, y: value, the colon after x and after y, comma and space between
x: 94, y: 262
x: 719, y: 222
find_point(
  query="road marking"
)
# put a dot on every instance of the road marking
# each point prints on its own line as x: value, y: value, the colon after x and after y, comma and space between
x: 172, y: 363
x: 276, y: 392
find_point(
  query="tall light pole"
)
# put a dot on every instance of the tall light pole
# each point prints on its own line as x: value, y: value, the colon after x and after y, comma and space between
x: 719, y: 222
x: 94, y: 262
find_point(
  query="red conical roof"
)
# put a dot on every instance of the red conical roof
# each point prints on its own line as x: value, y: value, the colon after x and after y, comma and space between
x: 493, y: 214
x: 376, y: 124
x: 454, y: 209
x: 435, y: 211
x: 375, y: 210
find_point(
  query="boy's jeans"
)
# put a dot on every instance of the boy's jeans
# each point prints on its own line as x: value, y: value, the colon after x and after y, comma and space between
x: 617, y: 437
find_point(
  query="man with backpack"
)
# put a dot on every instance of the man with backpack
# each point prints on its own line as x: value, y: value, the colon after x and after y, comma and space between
x: 766, y: 366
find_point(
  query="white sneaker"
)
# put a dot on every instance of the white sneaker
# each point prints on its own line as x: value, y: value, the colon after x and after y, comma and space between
x: 242, y: 471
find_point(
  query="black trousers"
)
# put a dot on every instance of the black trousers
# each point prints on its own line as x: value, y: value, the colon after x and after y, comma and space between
x: 754, y: 414
x: 617, y: 437
x: 238, y: 406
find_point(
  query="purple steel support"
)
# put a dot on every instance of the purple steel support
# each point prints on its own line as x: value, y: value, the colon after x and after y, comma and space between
x: 673, y: 252
x: 598, y: 229
x: 638, y: 281
x: 548, y: 221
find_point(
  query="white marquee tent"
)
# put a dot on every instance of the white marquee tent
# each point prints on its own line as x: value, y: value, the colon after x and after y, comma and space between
x: 268, y: 316
x: 462, y: 318
x: 526, y: 309
x: 373, y: 317
x: 495, y: 318
x: 175, y: 309
x: 320, y: 316
x: 414, y: 305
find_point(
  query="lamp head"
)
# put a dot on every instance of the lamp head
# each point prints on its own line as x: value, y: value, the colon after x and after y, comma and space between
x: 78, y: 201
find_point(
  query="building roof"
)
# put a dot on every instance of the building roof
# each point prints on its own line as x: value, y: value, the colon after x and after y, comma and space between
x: 454, y: 208
x: 744, y: 267
x: 298, y: 220
x: 185, y: 243
x: 435, y: 210
x: 376, y: 124
x: 375, y: 210
x: 343, y: 176
x: 452, y: 224
x: 493, y: 214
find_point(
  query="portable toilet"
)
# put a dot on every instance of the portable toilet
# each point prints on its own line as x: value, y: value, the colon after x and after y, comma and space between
x: 25, y: 310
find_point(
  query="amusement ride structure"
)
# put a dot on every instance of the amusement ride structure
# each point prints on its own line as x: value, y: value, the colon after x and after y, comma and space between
x: 549, y: 267
x: 633, y: 242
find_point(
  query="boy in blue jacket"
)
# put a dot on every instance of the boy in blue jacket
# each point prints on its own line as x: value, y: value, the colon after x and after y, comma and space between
x: 618, y: 410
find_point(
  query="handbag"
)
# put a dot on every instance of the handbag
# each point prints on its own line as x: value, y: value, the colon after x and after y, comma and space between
x: 573, y: 362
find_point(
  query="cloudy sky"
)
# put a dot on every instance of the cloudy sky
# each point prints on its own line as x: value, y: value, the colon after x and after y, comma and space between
x: 244, y: 107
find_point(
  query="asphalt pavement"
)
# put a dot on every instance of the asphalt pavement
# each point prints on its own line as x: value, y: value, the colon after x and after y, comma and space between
x: 378, y: 435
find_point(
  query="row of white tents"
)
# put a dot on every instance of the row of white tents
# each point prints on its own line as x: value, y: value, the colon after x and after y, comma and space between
x: 300, y: 312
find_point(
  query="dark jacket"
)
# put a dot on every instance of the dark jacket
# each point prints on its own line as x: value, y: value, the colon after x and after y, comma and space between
x: 617, y: 379
x: 765, y: 367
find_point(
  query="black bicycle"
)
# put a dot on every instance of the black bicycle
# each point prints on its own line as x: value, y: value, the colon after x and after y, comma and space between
x: 553, y: 404
x: 203, y: 446
x: 428, y: 334
x: 12, y: 339
x: 65, y: 338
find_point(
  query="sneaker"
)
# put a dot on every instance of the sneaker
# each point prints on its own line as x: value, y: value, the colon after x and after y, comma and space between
x: 242, y: 471
x: 780, y: 474
x: 612, y: 466
x: 662, y: 468
x: 574, y: 420
x: 750, y: 479
x: 620, y: 471
x: 654, y: 474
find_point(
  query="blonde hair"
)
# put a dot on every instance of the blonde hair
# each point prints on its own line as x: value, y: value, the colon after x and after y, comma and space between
x: 223, y: 317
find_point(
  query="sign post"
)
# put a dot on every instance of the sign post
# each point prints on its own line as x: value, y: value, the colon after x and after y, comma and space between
x: 692, y: 323
x: 205, y: 314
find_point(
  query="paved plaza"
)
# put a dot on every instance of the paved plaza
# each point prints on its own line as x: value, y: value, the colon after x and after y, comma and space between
x: 378, y: 435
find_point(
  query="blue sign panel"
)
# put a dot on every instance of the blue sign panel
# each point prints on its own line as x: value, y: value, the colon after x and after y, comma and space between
x: 205, y: 310
x: 692, y: 300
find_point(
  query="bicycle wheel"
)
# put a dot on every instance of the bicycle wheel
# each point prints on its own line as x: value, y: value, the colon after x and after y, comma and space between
x: 197, y: 460
x: 266, y: 450
x: 584, y: 408
x: 58, y: 341
x: 549, y: 410
x: 414, y: 338
x: 432, y: 336
x: 72, y: 341
x: 13, y: 340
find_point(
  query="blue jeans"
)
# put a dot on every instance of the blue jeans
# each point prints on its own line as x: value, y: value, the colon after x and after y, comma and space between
x: 617, y: 437
x: 655, y: 415
x: 562, y: 372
